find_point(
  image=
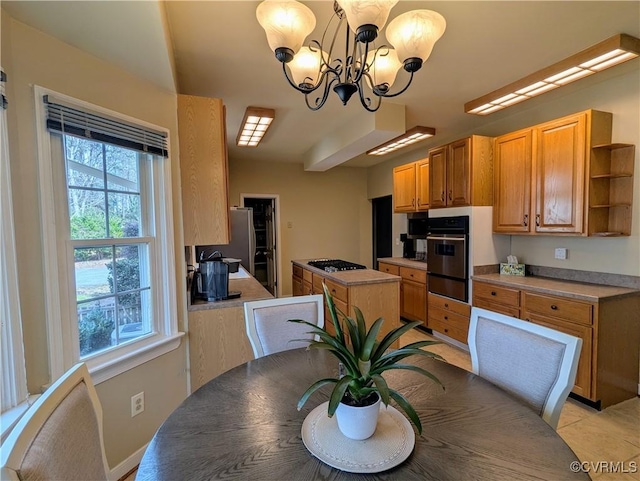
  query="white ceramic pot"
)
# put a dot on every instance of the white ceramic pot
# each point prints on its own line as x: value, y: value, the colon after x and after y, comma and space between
x: 358, y: 422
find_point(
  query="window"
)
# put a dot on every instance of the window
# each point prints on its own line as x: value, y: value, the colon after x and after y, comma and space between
x: 108, y: 237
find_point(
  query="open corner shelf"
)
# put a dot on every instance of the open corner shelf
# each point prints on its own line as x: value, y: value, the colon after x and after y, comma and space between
x: 611, y: 189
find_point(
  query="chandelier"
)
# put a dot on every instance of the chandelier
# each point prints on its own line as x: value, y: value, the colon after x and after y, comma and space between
x: 364, y: 69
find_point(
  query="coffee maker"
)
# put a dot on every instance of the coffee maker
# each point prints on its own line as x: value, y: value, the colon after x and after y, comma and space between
x: 408, y: 247
x: 211, y: 280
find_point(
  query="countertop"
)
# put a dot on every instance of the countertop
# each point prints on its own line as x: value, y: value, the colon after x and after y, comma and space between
x: 351, y: 278
x: 403, y: 262
x: 558, y: 287
x: 250, y: 288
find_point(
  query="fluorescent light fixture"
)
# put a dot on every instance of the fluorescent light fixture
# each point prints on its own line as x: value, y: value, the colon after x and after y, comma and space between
x: 254, y: 125
x: 610, y: 52
x: 411, y: 136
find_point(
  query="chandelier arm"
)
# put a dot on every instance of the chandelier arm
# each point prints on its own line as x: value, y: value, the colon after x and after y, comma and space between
x: 364, y: 66
x: 307, y: 90
x: 325, y: 95
x: 387, y: 95
x: 366, y: 101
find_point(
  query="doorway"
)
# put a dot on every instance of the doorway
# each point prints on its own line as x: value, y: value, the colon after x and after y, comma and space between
x: 266, y: 225
x: 382, y: 213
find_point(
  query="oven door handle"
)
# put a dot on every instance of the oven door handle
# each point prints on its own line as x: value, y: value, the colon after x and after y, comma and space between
x: 452, y: 237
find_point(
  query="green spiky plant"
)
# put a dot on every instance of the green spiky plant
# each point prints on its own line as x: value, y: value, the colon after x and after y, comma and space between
x: 364, y: 360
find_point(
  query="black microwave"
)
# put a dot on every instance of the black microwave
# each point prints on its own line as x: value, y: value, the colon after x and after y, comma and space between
x: 417, y: 225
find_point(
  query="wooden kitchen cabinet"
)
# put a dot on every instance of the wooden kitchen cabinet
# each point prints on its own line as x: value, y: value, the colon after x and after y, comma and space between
x: 203, y: 170
x: 563, y: 177
x: 374, y: 299
x: 413, y: 294
x: 411, y: 187
x: 609, y: 329
x: 512, y: 182
x: 461, y: 173
x: 449, y: 317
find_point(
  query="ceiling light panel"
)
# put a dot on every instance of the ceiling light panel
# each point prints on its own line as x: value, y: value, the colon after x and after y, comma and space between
x: 254, y: 126
x: 411, y: 136
x: 613, y: 51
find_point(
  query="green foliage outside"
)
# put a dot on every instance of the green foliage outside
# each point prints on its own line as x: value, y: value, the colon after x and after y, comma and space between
x: 94, y: 331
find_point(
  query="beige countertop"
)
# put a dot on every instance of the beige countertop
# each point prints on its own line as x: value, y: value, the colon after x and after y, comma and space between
x: 351, y: 278
x: 402, y: 262
x: 558, y: 287
x: 250, y: 288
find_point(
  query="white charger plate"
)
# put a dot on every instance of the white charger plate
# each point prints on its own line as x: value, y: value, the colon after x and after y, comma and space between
x: 390, y: 445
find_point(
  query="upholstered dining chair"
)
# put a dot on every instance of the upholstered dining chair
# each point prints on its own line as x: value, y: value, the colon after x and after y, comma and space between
x: 534, y: 363
x: 267, y: 326
x: 60, y: 436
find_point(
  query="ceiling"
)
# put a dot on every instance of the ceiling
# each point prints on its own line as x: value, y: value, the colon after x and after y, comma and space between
x: 218, y: 49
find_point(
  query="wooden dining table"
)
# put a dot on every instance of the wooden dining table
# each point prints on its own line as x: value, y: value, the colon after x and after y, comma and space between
x: 244, y: 425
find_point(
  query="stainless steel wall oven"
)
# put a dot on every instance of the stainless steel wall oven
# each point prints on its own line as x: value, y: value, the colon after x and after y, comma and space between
x: 448, y: 256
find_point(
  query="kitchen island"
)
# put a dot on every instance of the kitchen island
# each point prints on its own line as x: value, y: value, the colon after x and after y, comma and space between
x: 375, y: 293
x: 413, y: 287
x: 216, y: 330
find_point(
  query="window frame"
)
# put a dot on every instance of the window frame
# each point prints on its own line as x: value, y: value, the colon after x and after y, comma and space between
x: 62, y: 337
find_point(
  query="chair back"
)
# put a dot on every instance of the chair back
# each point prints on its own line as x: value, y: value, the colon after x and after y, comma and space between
x: 60, y: 436
x: 267, y: 326
x: 534, y: 363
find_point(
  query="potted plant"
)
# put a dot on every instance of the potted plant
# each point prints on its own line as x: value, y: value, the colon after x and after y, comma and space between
x: 363, y: 360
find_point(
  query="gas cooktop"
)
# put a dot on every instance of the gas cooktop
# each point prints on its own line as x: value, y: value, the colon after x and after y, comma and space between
x: 335, y: 265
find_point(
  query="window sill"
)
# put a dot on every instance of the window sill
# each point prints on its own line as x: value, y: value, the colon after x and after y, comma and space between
x: 10, y: 417
x: 102, y: 370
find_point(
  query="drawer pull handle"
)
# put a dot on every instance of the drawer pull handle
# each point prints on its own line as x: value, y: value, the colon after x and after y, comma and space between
x: 554, y: 307
x: 493, y: 293
x: 446, y: 305
x: 333, y: 291
x: 526, y: 220
x: 446, y: 318
x: 538, y: 220
x: 442, y: 196
x: 450, y: 196
x: 446, y: 330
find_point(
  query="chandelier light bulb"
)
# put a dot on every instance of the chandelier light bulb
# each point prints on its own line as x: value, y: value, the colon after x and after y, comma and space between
x: 363, y: 14
x: 305, y: 67
x: 413, y: 34
x: 383, y: 68
x: 287, y: 24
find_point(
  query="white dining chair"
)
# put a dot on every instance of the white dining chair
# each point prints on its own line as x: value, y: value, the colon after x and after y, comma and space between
x: 60, y: 436
x: 534, y: 363
x: 267, y: 326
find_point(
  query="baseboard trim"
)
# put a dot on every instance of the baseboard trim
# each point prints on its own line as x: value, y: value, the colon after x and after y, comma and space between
x: 122, y: 469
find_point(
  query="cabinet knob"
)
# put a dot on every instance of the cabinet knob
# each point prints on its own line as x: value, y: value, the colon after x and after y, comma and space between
x: 493, y: 293
x: 446, y: 305
x: 446, y: 318
x: 554, y: 307
x: 450, y: 195
x: 538, y: 220
x: 528, y: 320
x: 446, y: 330
x: 442, y: 196
x: 525, y: 222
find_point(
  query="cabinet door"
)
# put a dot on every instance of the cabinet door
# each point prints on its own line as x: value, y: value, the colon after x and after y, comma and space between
x: 297, y: 286
x: 512, y: 183
x: 422, y: 184
x: 582, y: 385
x: 459, y: 173
x: 404, y: 188
x: 559, y: 167
x: 203, y: 170
x: 438, y: 177
x: 413, y: 301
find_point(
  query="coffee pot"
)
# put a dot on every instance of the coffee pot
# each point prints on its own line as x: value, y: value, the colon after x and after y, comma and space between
x: 212, y: 278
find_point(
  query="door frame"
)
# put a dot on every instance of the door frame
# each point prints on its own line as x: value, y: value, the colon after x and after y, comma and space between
x: 276, y: 221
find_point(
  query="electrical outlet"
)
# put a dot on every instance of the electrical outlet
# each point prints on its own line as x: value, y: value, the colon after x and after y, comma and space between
x: 561, y: 253
x: 137, y: 404
x: 289, y: 225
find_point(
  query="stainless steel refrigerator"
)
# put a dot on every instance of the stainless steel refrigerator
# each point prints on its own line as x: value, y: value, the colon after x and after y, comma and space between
x: 243, y: 240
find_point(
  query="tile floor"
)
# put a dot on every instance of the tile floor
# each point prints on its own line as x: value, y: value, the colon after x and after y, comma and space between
x: 611, y: 435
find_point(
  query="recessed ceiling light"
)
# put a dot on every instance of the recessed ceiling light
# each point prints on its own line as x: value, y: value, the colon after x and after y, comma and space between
x: 411, y: 136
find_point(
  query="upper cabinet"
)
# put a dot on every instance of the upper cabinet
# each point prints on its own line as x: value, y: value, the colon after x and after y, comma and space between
x: 203, y: 170
x: 411, y: 187
x: 564, y: 177
x: 461, y: 173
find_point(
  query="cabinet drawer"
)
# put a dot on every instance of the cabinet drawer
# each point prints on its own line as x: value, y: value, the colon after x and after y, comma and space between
x: 338, y: 291
x: 328, y: 321
x: 388, y: 268
x: 572, y: 311
x: 307, y: 275
x: 317, y: 284
x: 490, y: 306
x: 449, y: 324
x: 296, y: 286
x: 493, y: 293
x: 297, y: 271
x: 413, y: 274
x: 449, y: 305
x: 307, y: 289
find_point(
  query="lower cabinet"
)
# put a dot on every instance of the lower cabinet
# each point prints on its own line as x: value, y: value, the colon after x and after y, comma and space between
x: 380, y: 299
x: 413, y: 291
x: 449, y: 317
x: 610, y: 332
